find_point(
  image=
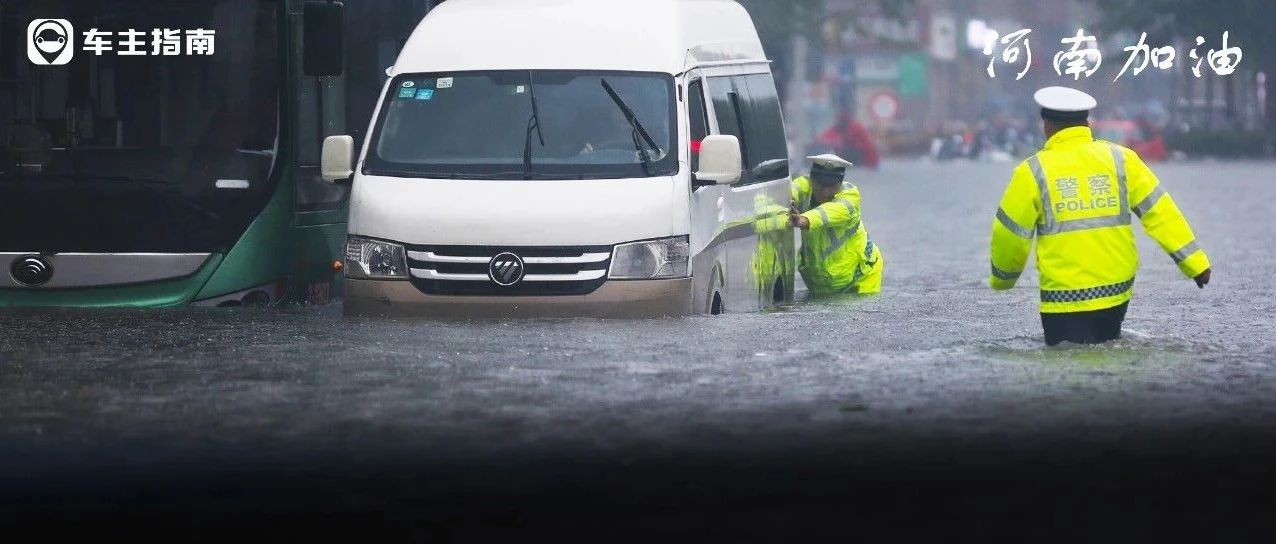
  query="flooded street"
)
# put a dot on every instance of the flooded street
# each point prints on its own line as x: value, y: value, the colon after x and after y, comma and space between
x: 937, y: 383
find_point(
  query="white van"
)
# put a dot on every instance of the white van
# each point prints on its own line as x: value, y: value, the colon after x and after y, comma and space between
x: 574, y: 157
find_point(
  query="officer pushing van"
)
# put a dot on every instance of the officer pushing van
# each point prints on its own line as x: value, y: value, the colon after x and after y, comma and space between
x: 837, y: 254
x: 1076, y: 197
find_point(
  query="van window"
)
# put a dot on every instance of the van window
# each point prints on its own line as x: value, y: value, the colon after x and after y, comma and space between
x: 748, y: 108
x: 768, y: 152
x: 726, y: 108
x: 697, y: 122
x: 546, y: 124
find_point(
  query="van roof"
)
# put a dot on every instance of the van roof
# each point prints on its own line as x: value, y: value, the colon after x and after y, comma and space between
x: 666, y: 36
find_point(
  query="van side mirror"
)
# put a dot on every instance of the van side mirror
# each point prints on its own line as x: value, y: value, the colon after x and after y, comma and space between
x: 720, y: 160
x: 337, y: 160
x: 324, y: 43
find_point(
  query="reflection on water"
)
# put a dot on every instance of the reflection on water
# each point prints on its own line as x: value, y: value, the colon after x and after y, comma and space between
x: 1131, y: 343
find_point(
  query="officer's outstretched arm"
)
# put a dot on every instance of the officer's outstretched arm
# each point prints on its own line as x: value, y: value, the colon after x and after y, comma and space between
x: 1013, y: 229
x: 1162, y: 219
x: 840, y: 212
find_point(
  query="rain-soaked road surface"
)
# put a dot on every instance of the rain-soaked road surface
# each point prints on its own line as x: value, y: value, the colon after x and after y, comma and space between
x: 931, y: 407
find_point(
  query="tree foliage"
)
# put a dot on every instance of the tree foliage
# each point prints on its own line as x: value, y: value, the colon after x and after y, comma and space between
x: 1248, y: 21
x: 780, y: 19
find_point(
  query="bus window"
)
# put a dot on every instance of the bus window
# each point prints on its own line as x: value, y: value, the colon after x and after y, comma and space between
x: 314, y: 122
x: 313, y: 193
x: 140, y: 154
x: 375, y: 31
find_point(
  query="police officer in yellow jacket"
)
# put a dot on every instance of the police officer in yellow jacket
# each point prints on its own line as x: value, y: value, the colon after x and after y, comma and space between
x: 1076, y: 197
x: 837, y: 254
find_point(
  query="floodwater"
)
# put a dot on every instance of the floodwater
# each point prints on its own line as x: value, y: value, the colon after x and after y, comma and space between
x: 938, y: 379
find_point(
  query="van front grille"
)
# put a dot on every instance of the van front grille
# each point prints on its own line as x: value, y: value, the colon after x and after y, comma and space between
x: 547, y: 271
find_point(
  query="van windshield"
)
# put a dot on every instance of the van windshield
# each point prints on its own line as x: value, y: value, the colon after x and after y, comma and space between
x: 548, y: 124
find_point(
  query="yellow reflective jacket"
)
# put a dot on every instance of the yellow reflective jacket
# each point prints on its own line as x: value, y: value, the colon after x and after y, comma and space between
x: 837, y: 254
x: 1076, y: 196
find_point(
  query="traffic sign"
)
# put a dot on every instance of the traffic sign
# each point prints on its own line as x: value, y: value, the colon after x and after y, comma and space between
x: 884, y: 106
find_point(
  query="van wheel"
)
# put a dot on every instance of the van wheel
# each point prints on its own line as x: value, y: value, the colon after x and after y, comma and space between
x: 715, y: 307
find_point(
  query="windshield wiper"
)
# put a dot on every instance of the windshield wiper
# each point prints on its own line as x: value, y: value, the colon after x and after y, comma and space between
x: 640, y: 134
x: 533, y: 123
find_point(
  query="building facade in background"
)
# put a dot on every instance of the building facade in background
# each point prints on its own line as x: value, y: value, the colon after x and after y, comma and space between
x: 922, y: 72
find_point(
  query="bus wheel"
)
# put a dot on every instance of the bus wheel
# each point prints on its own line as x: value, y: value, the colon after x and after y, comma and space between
x: 257, y: 299
x: 715, y: 308
x: 777, y: 294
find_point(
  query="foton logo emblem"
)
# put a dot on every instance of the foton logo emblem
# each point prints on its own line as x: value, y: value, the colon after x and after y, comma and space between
x: 506, y: 269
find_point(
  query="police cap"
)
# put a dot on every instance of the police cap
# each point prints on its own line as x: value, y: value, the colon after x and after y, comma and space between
x: 1064, y: 104
x: 828, y: 169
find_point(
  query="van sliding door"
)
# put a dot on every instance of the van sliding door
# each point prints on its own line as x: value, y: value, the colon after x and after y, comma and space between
x: 748, y: 107
x: 770, y: 261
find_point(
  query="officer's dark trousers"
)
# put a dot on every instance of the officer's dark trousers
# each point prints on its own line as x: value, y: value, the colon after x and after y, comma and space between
x: 1094, y: 327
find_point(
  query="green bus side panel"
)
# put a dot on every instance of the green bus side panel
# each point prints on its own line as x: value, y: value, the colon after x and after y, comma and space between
x: 263, y: 254
x: 174, y: 292
x: 317, y: 247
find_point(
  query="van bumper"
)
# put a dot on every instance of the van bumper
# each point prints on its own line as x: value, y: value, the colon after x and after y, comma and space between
x: 615, y: 299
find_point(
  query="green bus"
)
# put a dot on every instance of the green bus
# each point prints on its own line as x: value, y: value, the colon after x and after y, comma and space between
x: 147, y: 171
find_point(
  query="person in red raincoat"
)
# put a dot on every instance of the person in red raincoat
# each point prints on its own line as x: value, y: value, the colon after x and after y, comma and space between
x: 848, y: 138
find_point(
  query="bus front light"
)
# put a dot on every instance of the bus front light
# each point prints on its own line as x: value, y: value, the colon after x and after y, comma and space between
x: 653, y: 259
x: 374, y: 259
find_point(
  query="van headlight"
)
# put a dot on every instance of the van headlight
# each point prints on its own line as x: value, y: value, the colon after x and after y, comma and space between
x: 374, y: 259
x: 653, y: 259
